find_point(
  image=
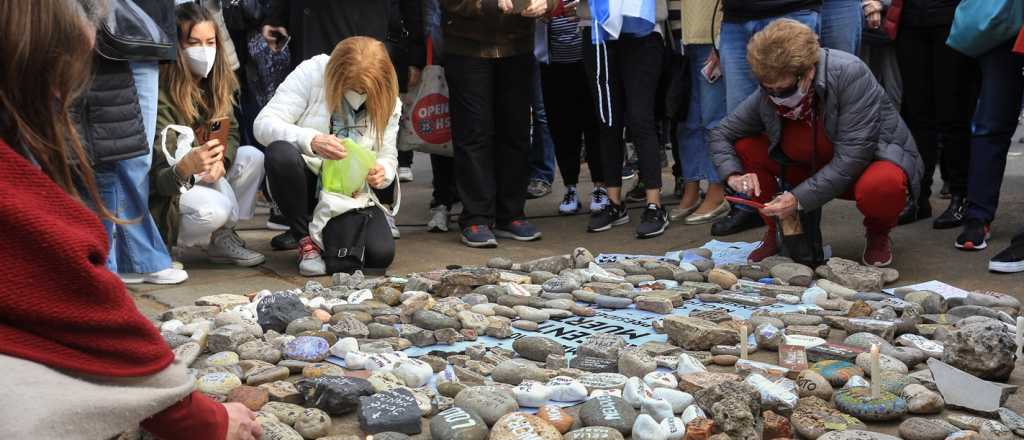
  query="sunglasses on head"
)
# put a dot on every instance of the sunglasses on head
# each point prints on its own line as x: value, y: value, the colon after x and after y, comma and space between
x: 786, y: 92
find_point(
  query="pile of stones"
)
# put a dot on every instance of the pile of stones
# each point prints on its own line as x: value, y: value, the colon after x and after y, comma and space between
x: 801, y: 374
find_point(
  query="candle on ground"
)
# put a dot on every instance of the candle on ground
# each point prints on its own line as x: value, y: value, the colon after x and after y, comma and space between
x: 743, y: 341
x: 876, y: 373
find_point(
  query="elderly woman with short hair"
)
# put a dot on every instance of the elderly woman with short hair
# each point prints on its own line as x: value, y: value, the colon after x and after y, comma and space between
x: 821, y: 124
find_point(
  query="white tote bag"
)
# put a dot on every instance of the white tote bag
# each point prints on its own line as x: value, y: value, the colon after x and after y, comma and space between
x: 426, y: 123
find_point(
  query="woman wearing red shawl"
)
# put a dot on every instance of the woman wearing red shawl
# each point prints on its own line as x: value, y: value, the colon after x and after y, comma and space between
x: 78, y: 359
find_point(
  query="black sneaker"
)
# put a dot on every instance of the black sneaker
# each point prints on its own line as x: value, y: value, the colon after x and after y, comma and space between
x: 611, y: 215
x: 284, y: 241
x: 953, y: 216
x: 653, y: 222
x: 1011, y: 259
x: 628, y: 171
x: 637, y: 194
x: 479, y: 236
x: 974, y: 236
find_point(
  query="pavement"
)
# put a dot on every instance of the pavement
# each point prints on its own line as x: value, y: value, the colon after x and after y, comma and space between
x: 922, y: 253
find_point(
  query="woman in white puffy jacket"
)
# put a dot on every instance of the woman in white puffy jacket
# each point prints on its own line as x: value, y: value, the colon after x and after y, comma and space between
x: 353, y: 93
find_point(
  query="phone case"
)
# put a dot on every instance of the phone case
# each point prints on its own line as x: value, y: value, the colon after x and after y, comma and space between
x: 218, y: 129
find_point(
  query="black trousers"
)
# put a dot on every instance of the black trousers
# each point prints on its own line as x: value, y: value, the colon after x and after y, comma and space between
x: 445, y: 193
x: 940, y: 92
x: 631, y: 69
x: 292, y: 185
x: 490, y: 111
x: 341, y: 238
x: 405, y: 158
x: 571, y: 119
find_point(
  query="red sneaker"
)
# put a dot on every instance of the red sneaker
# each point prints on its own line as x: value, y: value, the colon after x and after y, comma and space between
x: 769, y: 246
x: 877, y: 249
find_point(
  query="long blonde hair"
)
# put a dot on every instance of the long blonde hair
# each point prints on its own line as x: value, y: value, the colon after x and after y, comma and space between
x: 184, y: 91
x: 362, y: 64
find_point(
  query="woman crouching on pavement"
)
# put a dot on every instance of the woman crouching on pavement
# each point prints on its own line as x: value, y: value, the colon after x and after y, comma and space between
x: 821, y: 124
x: 328, y: 101
x: 197, y: 200
x: 70, y: 335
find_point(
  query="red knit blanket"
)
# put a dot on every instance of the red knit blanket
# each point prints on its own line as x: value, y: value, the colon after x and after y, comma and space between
x: 59, y: 305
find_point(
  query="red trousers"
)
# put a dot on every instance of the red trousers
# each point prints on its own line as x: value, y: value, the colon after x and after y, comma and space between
x: 880, y: 192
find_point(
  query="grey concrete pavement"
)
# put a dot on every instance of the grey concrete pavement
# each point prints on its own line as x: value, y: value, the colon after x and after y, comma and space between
x: 922, y: 253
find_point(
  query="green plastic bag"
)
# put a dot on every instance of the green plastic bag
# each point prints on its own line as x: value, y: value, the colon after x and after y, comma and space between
x: 348, y: 175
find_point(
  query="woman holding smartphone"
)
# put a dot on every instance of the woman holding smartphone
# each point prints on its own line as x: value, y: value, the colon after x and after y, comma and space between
x: 197, y: 200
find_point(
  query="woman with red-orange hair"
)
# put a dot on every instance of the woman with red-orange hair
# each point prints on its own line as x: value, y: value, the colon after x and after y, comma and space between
x: 351, y: 94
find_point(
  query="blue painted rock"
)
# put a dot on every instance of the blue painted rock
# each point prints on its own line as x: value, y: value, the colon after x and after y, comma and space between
x: 837, y: 372
x: 858, y: 402
x: 307, y: 348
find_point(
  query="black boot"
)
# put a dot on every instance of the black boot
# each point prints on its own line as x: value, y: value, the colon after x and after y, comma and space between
x: 953, y: 217
x: 916, y: 211
x: 737, y: 221
x: 284, y: 241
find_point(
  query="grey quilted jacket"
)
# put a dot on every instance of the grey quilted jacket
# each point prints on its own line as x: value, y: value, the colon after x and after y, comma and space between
x: 860, y: 120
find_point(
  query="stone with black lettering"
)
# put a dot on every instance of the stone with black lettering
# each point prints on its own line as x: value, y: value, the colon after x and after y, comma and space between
x: 603, y: 381
x: 394, y: 411
x: 594, y: 364
x: 489, y: 402
x: 457, y: 423
x: 594, y: 433
x: 609, y: 411
x: 601, y: 345
x: 520, y: 426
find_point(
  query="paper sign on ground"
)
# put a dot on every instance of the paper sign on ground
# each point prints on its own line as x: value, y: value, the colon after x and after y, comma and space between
x: 943, y: 289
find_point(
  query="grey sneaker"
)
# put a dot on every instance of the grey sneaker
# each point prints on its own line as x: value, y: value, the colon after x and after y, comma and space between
x: 537, y: 189
x: 438, y: 219
x: 228, y: 248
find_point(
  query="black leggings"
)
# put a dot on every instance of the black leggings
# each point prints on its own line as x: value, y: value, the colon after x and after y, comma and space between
x: 571, y: 119
x: 341, y: 235
x: 292, y: 185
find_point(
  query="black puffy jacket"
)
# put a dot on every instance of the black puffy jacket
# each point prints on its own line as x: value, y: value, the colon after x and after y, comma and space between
x: 162, y: 12
x: 108, y: 115
x: 928, y: 12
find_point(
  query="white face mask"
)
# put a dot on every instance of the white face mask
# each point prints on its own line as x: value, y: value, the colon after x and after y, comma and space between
x: 791, y: 101
x: 200, y: 59
x: 355, y: 100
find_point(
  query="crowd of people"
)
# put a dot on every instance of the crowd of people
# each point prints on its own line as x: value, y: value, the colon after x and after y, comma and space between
x: 788, y: 103
x: 134, y: 127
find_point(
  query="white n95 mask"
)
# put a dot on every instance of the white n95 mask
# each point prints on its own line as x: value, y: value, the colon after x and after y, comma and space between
x: 200, y: 59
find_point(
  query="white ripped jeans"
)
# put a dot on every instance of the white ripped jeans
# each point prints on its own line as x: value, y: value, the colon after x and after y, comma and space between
x: 208, y: 207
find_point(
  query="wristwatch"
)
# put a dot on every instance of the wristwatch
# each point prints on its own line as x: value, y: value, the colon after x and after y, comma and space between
x: 183, y: 184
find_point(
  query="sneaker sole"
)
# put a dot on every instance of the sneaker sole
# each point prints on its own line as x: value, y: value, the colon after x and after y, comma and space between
x: 618, y: 222
x: 276, y: 226
x: 480, y: 244
x: 437, y: 229
x: 968, y: 246
x: 653, y: 234
x: 568, y: 212
x: 310, y: 274
x: 506, y: 234
x: 163, y: 282
x: 1006, y: 267
x: 242, y: 263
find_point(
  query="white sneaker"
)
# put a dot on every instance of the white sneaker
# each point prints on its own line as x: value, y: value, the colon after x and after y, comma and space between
x: 226, y: 247
x: 395, y: 233
x: 438, y: 219
x: 570, y: 203
x: 405, y: 174
x: 598, y: 199
x: 166, y: 276
x: 311, y: 263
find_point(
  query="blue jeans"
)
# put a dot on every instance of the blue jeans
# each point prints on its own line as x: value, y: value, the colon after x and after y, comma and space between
x: 995, y: 120
x: 739, y: 80
x: 707, y: 107
x: 124, y: 186
x: 841, y: 24
x: 542, y: 149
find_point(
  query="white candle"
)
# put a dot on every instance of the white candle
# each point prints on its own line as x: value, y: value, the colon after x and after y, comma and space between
x: 1020, y: 335
x: 876, y: 379
x: 743, y: 341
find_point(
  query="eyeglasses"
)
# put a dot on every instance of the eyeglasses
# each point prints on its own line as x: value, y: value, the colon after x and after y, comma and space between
x: 786, y: 92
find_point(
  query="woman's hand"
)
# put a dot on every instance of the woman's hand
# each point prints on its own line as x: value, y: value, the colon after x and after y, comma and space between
x: 745, y: 184
x: 536, y: 9
x: 415, y: 76
x: 376, y: 177
x: 270, y: 34
x: 784, y: 205
x: 201, y: 159
x: 873, y: 13
x: 328, y: 147
x: 242, y: 424
x: 506, y: 6
x: 214, y: 173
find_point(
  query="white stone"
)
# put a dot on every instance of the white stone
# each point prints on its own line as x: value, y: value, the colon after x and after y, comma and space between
x: 356, y: 360
x: 660, y: 409
x: 172, y: 326
x: 566, y: 389
x: 661, y: 379
x: 674, y: 428
x: 689, y: 365
x: 531, y: 393
x: 788, y: 299
x: 635, y: 392
x: 359, y: 296
x: 383, y: 362
x: 414, y: 372
x: 812, y: 294
x: 612, y: 392
x: 646, y: 428
x: 692, y: 412
x: 679, y: 400
x: 344, y: 346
